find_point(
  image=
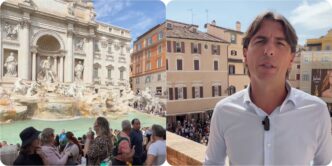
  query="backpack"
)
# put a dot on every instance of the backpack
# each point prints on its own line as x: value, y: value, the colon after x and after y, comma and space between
x: 116, y: 145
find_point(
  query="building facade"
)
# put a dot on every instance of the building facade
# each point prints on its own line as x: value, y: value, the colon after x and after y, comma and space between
x: 148, y: 62
x: 196, y: 70
x: 63, y: 43
x: 237, y: 73
x: 316, y: 68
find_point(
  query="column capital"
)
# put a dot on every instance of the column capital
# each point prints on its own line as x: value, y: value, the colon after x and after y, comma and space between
x: 34, y: 49
x: 25, y: 23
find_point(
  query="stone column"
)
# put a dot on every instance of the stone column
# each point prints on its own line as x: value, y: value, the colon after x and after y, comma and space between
x: 24, y: 57
x: 34, y: 65
x: 61, y: 69
x: 1, y: 51
x: 55, y: 65
x: 69, y: 63
x: 88, y: 62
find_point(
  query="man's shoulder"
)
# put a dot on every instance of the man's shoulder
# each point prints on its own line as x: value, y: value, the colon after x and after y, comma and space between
x: 303, y: 98
x: 236, y: 98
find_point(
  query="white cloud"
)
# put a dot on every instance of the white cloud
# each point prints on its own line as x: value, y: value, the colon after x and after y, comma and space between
x: 129, y: 15
x: 106, y: 8
x: 316, y: 16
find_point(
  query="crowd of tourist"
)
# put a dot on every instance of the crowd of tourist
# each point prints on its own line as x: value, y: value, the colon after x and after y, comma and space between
x: 132, y: 145
x: 194, y: 129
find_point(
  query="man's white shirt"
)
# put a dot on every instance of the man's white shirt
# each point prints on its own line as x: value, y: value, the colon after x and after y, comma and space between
x: 300, y: 132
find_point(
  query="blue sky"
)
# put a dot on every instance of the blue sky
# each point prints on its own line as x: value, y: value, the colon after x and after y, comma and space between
x: 138, y: 16
x: 310, y: 18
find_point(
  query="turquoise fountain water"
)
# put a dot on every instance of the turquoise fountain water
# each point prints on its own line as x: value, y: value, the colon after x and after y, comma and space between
x: 10, y: 132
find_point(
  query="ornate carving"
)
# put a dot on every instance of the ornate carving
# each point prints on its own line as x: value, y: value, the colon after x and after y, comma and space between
x: 103, y: 44
x: 25, y: 23
x: 71, y: 8
x: 11, y: 31
x: 79, y: 45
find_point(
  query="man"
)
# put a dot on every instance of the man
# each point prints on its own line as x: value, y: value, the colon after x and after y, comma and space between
x: 136, y: 139
x: 270, y: 123
x: 122, y: 152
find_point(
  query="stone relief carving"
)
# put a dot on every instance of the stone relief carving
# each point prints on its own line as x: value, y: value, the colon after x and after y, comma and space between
x: 103, y: 44
x: 79, y: 44
x: 71, y: 8
x: 92, y: 15
x: 11, y: 66
x: 11, y: 31
x: 79, y: 71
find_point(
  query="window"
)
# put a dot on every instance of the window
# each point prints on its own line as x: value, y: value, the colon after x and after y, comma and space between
x: 231, y: 69
x: 233, y: 52
x: 179, y: 64
x: 166, y: 64
x: 233, y: 38
x: 139, y: 46
x: 159, y: 62
x: 95, y: 72
x: 215, y: 64
x: 148, y: 54
x: 298, y: 66
x: 170, y: 93
x: 305, y: 77
x: 159, y: 49
x: 109, y: 73
x: 196, y: 64
x: 216, y: 90
x: 297, y: 76
x: 121, y: 74
x: 169, y: 26
x: 159, y: 77
x: 231, y: 90
x: 181, y: 93
x: 197, y: 92
x: 148, y: 66
x: 195, y: 48
x: 109, y: 49
x: 137, y: 80
x: 149, y: 41
x: 160, y: 35
x: 178, y: 47
x: 158, y: 90
x: 215, y: 49
x: 147, y: 79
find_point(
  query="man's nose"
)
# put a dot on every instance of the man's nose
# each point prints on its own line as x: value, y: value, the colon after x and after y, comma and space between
x: 269, y: 49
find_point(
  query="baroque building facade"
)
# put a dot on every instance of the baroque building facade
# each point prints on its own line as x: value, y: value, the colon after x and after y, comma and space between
x: 63, y: 43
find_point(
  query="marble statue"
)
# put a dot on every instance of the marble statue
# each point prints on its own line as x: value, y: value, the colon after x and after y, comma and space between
x: 20, y: 87
x: 32, y: 90
x: 71, y: 8
x: 48, y: 76
x: 80, y: 44
x: 11, y: 31
x: 79, y: 71
x: 11, y: 65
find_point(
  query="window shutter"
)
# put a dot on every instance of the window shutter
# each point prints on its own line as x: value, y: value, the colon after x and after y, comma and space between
x: 176, y: 93
x: 212, y: 91
x: 169, y: 46
x: 199, y: 48
x: 192, y: 48
x: 212, y: 46
x: 218, y: 49
x: 182, y: 47
x: 193, y: 92
x: 201, y: 91
x: 174, y: 46
x: 185, y: 92
x: 170, y: 93
x: 219, y: 89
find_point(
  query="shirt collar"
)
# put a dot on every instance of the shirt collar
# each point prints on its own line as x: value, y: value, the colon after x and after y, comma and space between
x: 289, y: 98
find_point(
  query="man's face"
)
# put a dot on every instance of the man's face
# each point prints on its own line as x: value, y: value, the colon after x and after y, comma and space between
x: 137, y: 124
x: 268, y: 55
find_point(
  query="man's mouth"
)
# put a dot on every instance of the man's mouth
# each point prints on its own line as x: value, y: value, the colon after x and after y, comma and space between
x: 267, y: 65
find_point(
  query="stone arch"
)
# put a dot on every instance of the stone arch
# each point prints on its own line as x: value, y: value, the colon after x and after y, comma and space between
x: 54, y: 34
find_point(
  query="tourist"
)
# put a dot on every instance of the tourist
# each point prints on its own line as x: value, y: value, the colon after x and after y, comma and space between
x: 136, y: 139
x: 157, y: 147
x: 99, y: 150
x: 122, y: 152
x: 30, y: 152
x: 74, y: 148
x: 52, y: 154
x: 269, y: 122
x: 62, y: 140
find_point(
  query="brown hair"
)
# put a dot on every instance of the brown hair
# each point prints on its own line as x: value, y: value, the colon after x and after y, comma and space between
x: 288, y: 29
x: 71, y: 137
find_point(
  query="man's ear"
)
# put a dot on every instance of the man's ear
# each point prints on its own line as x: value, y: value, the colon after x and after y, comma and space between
x: 291, y: 61
x: 245, y: 51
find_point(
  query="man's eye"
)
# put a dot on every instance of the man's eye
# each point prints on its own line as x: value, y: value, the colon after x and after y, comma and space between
x: 281, y: 43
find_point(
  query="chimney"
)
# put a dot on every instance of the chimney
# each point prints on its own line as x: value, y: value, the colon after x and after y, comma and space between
x: 238, y: 26
x: 213, y: 22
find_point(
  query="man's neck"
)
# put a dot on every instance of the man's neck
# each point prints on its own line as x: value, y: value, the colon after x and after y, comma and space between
x: 267, y: 96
